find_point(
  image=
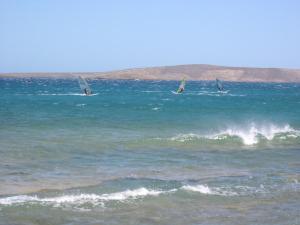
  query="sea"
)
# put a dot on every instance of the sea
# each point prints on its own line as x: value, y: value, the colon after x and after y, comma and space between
x: 135, y: 152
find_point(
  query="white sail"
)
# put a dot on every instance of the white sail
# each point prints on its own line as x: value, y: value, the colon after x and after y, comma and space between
x: 84, y: 86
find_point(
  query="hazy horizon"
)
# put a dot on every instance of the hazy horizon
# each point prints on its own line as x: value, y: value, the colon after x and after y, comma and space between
x: 146, y: 67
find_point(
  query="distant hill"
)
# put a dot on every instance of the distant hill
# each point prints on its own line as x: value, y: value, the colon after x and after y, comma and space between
x: 190, y: 72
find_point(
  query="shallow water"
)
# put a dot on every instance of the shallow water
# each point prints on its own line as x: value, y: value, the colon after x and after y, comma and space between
x: 135, y: 153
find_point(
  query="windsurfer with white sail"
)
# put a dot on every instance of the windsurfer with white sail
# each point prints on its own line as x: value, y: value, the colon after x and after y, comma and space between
x: 86, y: 92
x: 84, y: 86
x: 219, y: 85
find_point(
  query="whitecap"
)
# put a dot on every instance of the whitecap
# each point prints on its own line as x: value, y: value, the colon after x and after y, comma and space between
x: 141, y: 192
x: 252, y: 135
x: 80, y: 199
x: 69, y: 94
x: 204, y: 189
x: 156, y: 108
x: 198, y: 188
x: 249, y: 135
x: 228, y: 191
x: 81, y: 105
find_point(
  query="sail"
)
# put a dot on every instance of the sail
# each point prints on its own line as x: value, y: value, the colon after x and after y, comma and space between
x: 219, y: 85
x: 84, y: 86
x: 181, y: 86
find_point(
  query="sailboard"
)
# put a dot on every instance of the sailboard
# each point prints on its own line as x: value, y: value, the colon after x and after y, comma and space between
x: 85, y: 88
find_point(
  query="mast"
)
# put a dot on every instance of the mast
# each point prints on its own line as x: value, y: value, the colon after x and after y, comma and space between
x: 181, y: 86
x: 85, y: 88
x: 219, y: 85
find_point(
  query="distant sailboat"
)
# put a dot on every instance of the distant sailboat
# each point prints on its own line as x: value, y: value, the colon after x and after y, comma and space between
x: 219, y: 85
x: 181, y: 86
x: 84, y: 86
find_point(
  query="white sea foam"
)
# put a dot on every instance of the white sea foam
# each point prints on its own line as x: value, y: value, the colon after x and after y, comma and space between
x: 78, y: 201
x: 17, y: 199
x: 204, y: 189
x: 155, y: 108
x: 198, y: 188
x: 225, y: 190
x: 69, y: 94
x: 81, y: 105
x: 141, y: 192
x: 249, y: 135
x: 94, y: 199
x: 81, y: 198
x: 252, y: 134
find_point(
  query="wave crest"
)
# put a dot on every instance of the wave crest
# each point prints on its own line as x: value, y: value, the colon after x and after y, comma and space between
x: 81, y: 198
x: 204, y: 189
x: 92, y: 200
x: 250, y: 135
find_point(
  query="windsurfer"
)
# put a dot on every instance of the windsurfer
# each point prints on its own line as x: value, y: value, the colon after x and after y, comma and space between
x: 180, y: 90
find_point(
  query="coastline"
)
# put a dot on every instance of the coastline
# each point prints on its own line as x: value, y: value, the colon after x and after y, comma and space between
x: 194, y: 72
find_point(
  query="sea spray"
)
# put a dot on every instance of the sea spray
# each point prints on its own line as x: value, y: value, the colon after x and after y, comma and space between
x: 249, y: 135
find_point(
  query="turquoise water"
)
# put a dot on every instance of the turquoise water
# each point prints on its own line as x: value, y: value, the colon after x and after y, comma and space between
x: 136, y: 153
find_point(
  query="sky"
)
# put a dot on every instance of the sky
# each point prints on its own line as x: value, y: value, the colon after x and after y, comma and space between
x: 95, y: 35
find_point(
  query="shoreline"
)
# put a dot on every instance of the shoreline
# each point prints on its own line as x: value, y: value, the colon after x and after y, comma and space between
x: 130, y: 79
x: 193, y: 72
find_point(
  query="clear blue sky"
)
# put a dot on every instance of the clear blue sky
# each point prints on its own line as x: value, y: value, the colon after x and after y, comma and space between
x: 90, y: 35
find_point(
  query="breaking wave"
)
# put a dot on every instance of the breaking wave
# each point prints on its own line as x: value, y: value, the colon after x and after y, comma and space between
x: 226, y: 190
x: 81, y: 198
x: 248, y: 136
x: 204, y: 189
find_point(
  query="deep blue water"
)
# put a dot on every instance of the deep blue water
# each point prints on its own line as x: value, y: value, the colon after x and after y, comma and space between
x: 136, y: 153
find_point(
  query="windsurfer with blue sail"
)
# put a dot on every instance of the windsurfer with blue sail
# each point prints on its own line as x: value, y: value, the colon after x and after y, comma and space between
x: 181, y: 87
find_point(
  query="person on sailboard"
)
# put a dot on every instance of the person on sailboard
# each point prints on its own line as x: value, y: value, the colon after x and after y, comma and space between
x: 84, y: 86
x: 87, y: 92
x: 180, y: 90
x: 219, y: 85
x: 181, y: 87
